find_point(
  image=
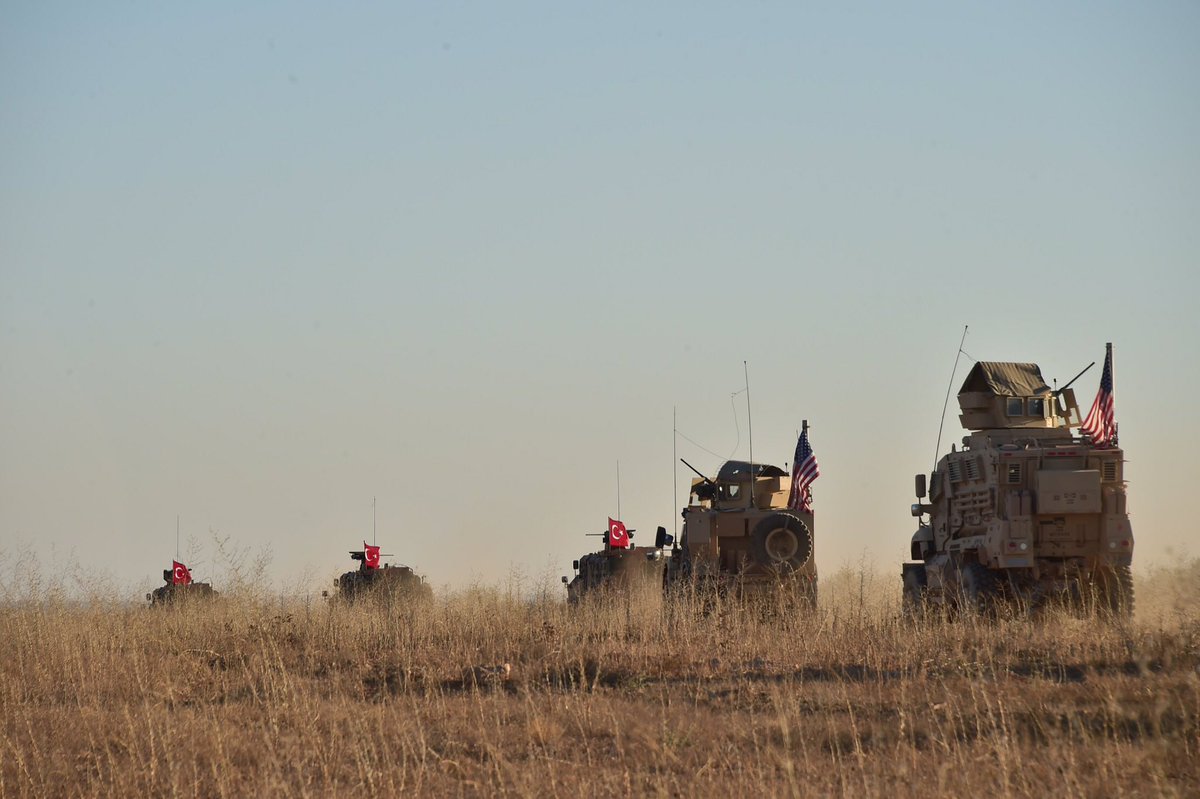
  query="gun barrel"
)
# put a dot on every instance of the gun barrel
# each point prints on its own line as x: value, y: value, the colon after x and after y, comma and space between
x: 697, y: 471
x: 1073, y: 379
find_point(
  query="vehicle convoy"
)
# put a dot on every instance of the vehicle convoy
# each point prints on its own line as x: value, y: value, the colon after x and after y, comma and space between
x: 741, y: 537
x: 179, y: 587
x: 382, y: 580
x: 1027, y: 510
x: 618, y: 567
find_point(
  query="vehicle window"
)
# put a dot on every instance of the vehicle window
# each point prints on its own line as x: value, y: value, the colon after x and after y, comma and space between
x: 1016, y: 406
x: 1037, y: 407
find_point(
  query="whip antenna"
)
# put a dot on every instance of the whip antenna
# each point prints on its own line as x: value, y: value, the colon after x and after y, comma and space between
x: 749, y: 430
x: 749, y: 418
x: 946, y: 404
x: 675, y: 470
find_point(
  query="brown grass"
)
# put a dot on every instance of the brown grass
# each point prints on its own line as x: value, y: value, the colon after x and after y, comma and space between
x: 255, y: 697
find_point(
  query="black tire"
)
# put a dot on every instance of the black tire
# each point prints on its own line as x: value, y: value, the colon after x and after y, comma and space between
x: 781, y: 541
x: 979, y: 589
x: 915, y: 582
x: 1115, y: 591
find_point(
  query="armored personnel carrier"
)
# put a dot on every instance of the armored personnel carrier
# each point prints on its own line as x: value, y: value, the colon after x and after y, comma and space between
x: 739, y: 535
x: 375, y: 579
x: 179, y: 588
x: 1027, y: 510
x: 616, y: 568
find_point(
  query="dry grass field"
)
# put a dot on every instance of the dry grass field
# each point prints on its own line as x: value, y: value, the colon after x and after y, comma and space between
x: 253, y: 696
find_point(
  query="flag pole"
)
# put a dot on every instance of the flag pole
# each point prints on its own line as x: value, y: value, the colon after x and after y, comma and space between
x: 176, y: 536
x: 373, y: 539
x: 1112, y: 383
x: 804, y: 432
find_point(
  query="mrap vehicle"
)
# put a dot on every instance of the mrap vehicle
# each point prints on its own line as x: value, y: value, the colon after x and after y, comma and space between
x: 1027, y: 510
x: 741, y: 538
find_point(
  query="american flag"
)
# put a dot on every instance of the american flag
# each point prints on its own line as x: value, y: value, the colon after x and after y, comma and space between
x: 804, y: 471
x: 1099, y: 425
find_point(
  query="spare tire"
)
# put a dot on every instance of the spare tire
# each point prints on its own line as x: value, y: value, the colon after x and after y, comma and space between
x: 781, y: 541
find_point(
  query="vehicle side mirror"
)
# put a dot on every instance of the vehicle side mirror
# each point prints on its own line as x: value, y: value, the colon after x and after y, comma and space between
x: 564, y: 579
x: 660, y: 538
x: 149, y: 598
x: 920, y: 486
x: 575, y: 565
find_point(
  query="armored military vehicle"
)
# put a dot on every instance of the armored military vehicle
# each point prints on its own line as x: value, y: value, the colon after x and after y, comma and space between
x: 375, y: 579
x: 1027, y: 510
x: 740, y: 536
x: 618, y: 568
x: 179, y: 588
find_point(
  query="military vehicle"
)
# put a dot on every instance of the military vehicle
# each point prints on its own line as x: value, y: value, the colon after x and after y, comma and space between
x: 618, y: 568
x: 740, y: 536
x: 179, y: 588
x: 373, y: 579
x: 1026, y: 510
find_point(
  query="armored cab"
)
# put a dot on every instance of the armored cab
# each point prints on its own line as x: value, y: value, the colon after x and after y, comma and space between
x: 1027, y: 509
x: 620, y: 569
x: 373, y: 579
x: 740, y: 535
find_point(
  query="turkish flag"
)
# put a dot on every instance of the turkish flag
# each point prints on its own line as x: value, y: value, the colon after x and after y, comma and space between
x: 180, y: 574
x: 618, y: 536
x: 372, y: 556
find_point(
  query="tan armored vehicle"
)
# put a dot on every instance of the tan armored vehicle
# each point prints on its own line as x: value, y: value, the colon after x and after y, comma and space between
x: 375, y: 579
x: 179, y: 588
x: 740, y: 536
x: 1027, y: 510
x: 618, y: 568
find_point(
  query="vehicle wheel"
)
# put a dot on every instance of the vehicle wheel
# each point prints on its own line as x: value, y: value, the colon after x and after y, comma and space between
x: 980, y: 591
x: 781, y: 541
x: 915, y: 581
x: 1115, y: 590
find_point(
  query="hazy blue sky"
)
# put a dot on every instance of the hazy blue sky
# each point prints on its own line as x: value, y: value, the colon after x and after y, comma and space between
x: 262, y: 262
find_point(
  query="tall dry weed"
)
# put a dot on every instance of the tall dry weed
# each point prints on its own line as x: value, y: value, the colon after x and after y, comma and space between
x: 506, y: 690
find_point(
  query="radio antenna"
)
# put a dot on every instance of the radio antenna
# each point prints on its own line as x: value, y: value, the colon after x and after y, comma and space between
x: 749, y: 430
x: 618, y: 490
x: 946, y: 404
x: 675, y: 470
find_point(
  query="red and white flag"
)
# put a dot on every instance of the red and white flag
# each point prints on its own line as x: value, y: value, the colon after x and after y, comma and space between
x: 180, y: 574
x: 371, y: 556
x: 618, y: 536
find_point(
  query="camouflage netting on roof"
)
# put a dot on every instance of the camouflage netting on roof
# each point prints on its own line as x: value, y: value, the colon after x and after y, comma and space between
x: 1005, y: 379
